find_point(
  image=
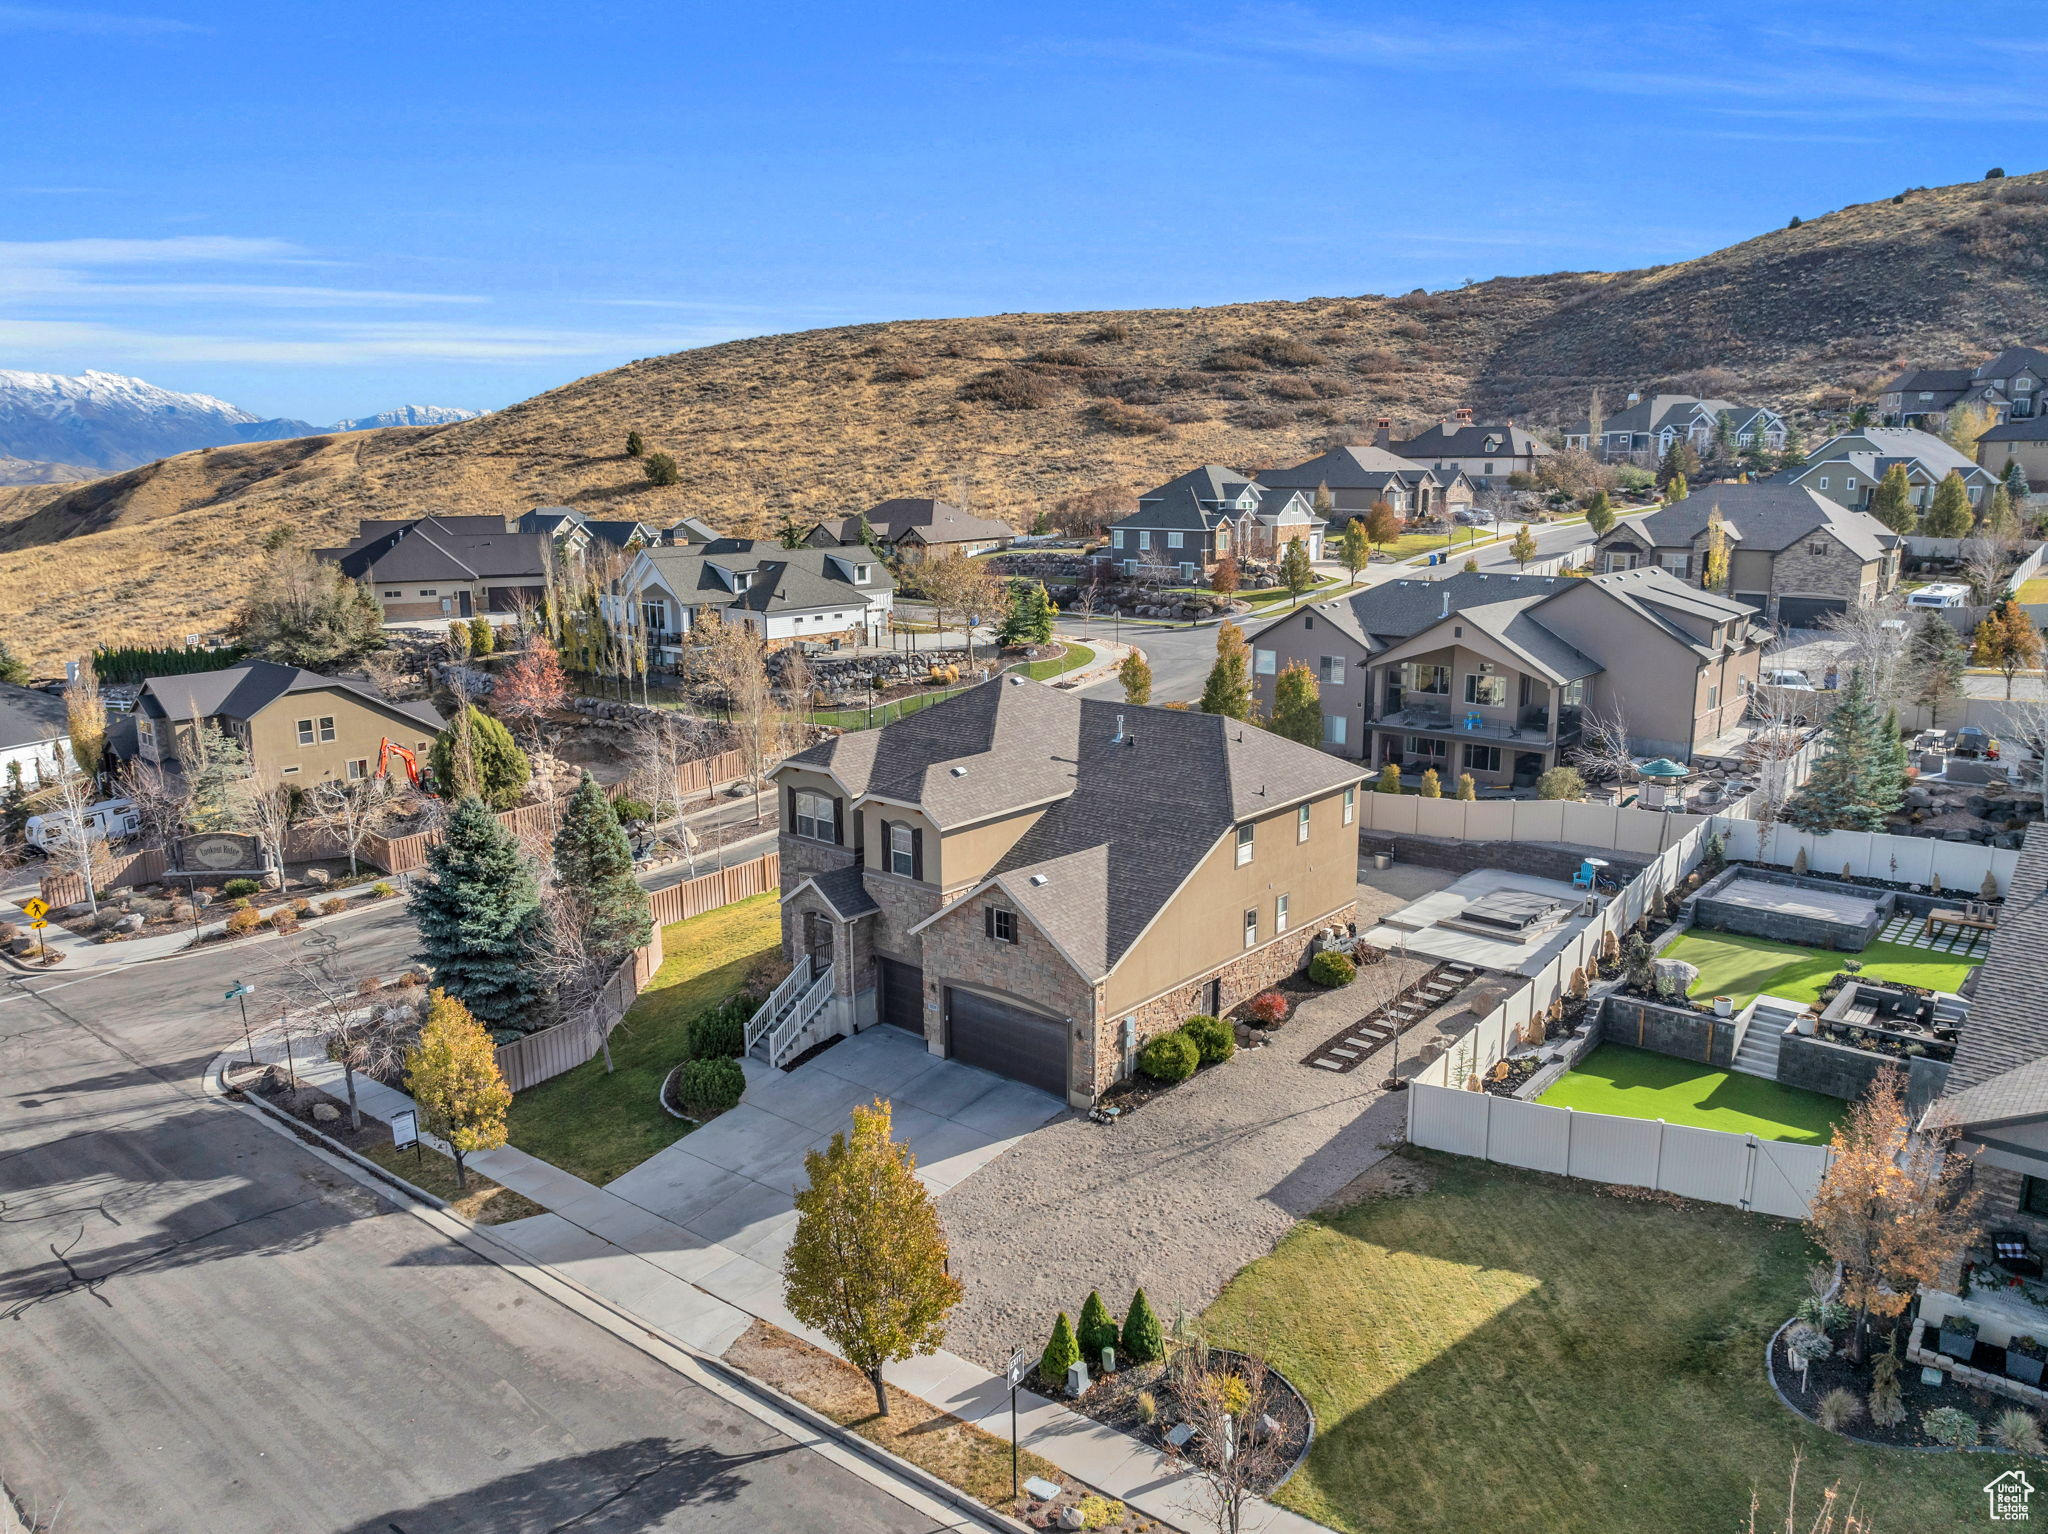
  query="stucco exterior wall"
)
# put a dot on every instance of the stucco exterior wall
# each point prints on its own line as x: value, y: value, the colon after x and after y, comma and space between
x: 359, y: 729
x: 1304, y: 636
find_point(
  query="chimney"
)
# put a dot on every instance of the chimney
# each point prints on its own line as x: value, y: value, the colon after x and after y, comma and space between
x: 1464, y: 414
x: 1635, y: 396
x: 1382, y: 431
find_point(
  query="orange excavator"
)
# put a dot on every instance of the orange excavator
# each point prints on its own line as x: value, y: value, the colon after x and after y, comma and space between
x: 387, y: 749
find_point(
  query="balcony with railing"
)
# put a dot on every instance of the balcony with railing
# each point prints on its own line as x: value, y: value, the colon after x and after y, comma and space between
x: 1469, y: 723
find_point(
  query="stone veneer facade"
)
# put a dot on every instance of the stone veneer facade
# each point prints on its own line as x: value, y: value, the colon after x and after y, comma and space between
x: 1836, y: 571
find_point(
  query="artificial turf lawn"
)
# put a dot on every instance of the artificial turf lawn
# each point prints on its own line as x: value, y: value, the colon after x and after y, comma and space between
x: 1508, y: 1351
x: 1743, y: 968
x: 1641, y: 1084
x: 599, y: 1126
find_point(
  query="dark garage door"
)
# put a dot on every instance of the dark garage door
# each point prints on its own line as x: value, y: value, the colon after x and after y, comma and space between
x: 1806, y: 612
x: 900, y: 1001
x: 1025, y: 1046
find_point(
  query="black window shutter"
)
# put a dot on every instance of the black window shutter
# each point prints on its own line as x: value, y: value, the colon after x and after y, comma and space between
x: 790, y: 792
x: 886, y: 830
x: 839, y: 821
x: 988, y: 921
x: 917, y: 852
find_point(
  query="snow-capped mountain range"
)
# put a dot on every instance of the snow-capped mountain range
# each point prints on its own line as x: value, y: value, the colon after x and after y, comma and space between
x: 65, y: 427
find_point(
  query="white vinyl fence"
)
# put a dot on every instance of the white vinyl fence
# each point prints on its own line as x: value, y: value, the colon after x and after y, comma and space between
x: 1643, y: 832
x: 1774, y: 1177
x: 1874, y: 855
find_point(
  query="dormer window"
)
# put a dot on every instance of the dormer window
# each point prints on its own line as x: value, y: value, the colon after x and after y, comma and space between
x: 742, y: 579
x: 862, y: 574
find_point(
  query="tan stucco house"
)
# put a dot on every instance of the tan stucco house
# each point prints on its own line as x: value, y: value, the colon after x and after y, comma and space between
x: 1495, y: 674
x: 1037, y: 883
x: 446, y: 566
x: 297, y: 726
x: 1485, y: 453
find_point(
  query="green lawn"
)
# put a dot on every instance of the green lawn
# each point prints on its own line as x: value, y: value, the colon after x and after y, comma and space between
x: 2035, y: 590
x: 1077, y: 656
x: 599, y: 1126
x: 1509, y: 1351
x: 1745, y: 967
x: 882, y: 713
x: 1641, y: 1084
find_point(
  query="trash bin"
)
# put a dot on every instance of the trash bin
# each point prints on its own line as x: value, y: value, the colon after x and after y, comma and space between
x: 1383, y: 860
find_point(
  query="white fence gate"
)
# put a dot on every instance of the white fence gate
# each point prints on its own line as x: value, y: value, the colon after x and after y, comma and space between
x: 1775, y: 1177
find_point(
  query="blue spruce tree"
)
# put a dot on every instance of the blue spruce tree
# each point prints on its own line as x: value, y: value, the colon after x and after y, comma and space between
x: 479, y: 918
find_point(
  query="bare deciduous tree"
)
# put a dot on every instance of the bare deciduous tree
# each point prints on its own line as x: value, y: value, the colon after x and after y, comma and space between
x: 1233, y: 1457
x: 1875, y: 644
x: 73, y: 846
x: 355, y: 810
x: 273, y: 808
x: 1605, y: 750
x: 735, y: 661
x: 162, y: 800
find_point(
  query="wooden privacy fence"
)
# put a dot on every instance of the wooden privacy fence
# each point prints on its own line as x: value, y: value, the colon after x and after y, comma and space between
x: 1776, y: 1177
x: 549, y: 1053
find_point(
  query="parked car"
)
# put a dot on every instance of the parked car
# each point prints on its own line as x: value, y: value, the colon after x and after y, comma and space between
x: 1784, y: 676
x: 108, y: 820
x: 1475, y: 516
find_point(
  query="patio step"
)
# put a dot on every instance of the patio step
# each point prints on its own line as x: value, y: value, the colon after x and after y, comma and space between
x: 1759, y: 1053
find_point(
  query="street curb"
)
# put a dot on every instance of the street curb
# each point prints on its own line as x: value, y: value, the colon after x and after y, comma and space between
x: 621, y: 1323
x: 356, y: 907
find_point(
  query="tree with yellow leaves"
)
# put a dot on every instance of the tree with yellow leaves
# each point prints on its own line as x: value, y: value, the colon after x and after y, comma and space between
x: 867, y: 1265
x: 2007, y: 641
x: 1893, y: 1208
x: 452, y: 1074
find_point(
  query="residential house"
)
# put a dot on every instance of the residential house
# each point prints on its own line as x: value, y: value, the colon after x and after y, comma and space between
x: 446, y: 566
x: 1794, y: 555
x: 295, y: 725
x: 1848, y: 469
x: 692, y: 530
x: 35, y: 739
x: 1646, y: 427
x: 916, y: 528
x: 1037, y: 883
x: 1189, y: 523
x: 574, y: 533
x: 2010, y: 385
x: 1995, y: 1097
x: 1494, y: 674
x: 822, y: 596
x: 1485, y: 454
x: 2022, y: 441
x: 1357, y: 476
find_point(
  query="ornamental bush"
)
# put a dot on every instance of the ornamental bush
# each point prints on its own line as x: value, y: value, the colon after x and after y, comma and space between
x: 1061, y: 1353
x: 709, y: 1087
x: 1170, y: 1057
x: 235, y: 887
x: 1950, y: 1425
x: 1142, y: 1343
x: 1332, y: 969
x: 1214, y: 1040
x: 1097, y: 1329
x: 245, y: 920
x: 721, y: 1031
x: 1268, y: 1009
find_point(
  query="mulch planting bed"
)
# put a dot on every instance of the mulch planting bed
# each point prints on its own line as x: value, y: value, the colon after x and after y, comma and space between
x: 1115, y: 1402
x: 1837, y: 1372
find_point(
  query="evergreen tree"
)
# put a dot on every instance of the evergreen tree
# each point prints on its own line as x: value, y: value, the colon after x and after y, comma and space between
x: 1029, y: 620
x: 1857, y: 783
x: 1861, y: 416
x: 594, y: 868
x: 483, y: 639
x: 1228, y: 690
x: 1143, y: 1342
x: 12, y: 667
x: 1296, y: 573
x: 636, y: 445
x: 13, y: 807
x: 1097, y: 1329
x: 1061, y: 1353
x: 1467, y: 788
x: 1724, y: 436
x: 1390, y: 779
x: 1680, y: 461
x: 1950, y: 515
x: 452, y: 1074
x: 661, y: 469
x: 1794, y: 456
x: 1999, y: 520
x: 1432, y: 784
x: 1297, y: 705
x: 1758, y: 454
x: 478, y: 914
x: 1523, y: 545
x: 1935, y: 663
x: 1136, y: 677
x: 496, y: 768
x: 2016, y: 484
x: 1893, y: 503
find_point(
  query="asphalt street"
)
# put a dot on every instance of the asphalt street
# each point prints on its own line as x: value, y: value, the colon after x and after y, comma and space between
x: 203, y: 1327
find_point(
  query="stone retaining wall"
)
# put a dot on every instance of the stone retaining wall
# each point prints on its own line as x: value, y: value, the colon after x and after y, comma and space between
x: 1668, y: 1030
x: 1841, y: 1070
x: 1708, y: 910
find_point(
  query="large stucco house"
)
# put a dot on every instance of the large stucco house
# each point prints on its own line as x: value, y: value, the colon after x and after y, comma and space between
x: 821, y: 596
x: 1495, y: 674
x: 1037, y: 883
x: 1183, y: 528
x: 1847, y: 469
x: 2009, y: 385
x: 1485, y: 453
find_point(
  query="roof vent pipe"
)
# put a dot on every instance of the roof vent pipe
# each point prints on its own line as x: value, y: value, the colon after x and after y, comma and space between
x: 1118, y: 738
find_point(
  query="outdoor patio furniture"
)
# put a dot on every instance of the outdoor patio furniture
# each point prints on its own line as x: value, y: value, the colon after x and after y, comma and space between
x: 1976, y: 914
x: 2014, y: 1254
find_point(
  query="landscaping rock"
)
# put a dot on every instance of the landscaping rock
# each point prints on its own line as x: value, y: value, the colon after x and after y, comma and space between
x: 318, y: 877
x: 1679, y: 973
x: 325, y: 1113
x: 132, y: 922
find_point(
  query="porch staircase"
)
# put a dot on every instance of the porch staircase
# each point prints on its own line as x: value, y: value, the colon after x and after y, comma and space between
x: 1758, y: 1055
x: 793, y: 1018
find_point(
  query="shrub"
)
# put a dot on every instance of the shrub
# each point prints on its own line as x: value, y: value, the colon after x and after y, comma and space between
x: 1111, y: 330
x: 382, y: 891
x: 410, y: 977
x: 1268, y: 1009
x: 1142, y: 1341
x: 2016, y: 1431
x: 302, y: 908
x: 629, y: 810
x: 1129, y: 420
x: 709, y: 1087
x: 244, y: 921
x: 236, y: 887
x: 1950, y: 1425
x: 1063, y: 357
x: 1837, y: 1409
x: 1099, y: 1512
x: 1284, y: 351
x: 333, y: 906
x: 284, y: 919
x: 661, y: 469
x: 1561, y: 783
x: 1148, y: 1407
x: 902, y: 372
x: 1214, y: 1040
x: 1230, y: 359
x: 1061, y: 1353
x: 721, y: 1031
x: 1170, y: 1057
x: 1011, y: 388
x: 1331, y: 968
x: 1097, y: 1329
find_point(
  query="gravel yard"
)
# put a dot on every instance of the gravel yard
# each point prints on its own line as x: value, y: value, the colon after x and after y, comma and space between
x: 1177, y: 1197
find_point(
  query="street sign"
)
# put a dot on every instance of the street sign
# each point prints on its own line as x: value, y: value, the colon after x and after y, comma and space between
x: 39, y: 924
x: 36, y: 907
x: 238, y: 991
x: 405, y: 1128
x: 1020, y: 1365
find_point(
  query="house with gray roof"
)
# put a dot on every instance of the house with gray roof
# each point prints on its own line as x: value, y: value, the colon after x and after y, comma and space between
x: 820, y: 596
x: 914, y: 529
x: 1795, y: 556
x: 1358, y: 475
x: 574, y: 533
x: 2024, y: 442
x: 1037, y: 883
x: 2009, y: 385
x: 1996, y: 1096
x: 35, y: 737
x: 438, y: 567
x: 1646, y: 427
x: 1495, y: 674
x: 1847, y: 469
x: 1183, y: 528
x: 1486, y: 454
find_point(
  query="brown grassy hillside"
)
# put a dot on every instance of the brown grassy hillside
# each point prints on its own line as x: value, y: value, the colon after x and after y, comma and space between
x: 1015, y: 411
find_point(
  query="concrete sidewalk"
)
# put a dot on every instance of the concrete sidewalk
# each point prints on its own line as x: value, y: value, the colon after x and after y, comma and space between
x: 704, y: 1293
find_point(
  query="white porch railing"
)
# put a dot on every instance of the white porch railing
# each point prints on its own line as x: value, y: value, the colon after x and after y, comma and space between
x: 787, y: 1038
x: 777, y: 1006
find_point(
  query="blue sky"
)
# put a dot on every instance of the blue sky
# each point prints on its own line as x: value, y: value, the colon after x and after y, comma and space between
x: 322, y: 211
